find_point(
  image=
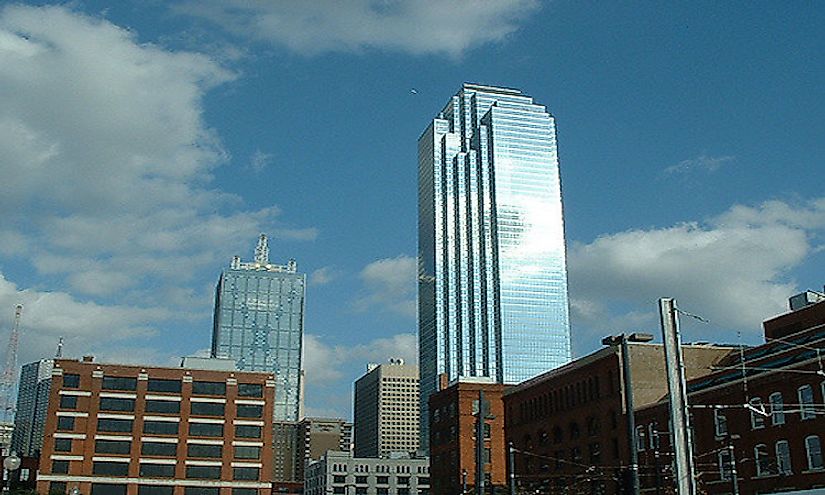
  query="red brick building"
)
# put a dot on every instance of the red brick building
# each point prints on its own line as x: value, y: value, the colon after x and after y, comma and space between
x: 762, y: 408
x: 137, y: 430
x: 453, y: 438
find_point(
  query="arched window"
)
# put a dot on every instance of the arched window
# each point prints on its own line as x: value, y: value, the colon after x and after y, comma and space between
x: 762, y: 460
x: 724, y: 464
x: 783, y: 457
x: 640, y: 438
x: 653, y: 435
x: 757, y: 413
x: 813, y: 450
x: 806, y: 402
x: 720, y: 423
x: 777, y: 408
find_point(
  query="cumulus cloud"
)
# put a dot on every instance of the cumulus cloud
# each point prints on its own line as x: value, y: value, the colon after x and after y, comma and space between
x: 702, y: 162
x: 413, y: 26
x: 324, y: 275
x: 260, y: 160
x: 732, y: 269
x: 326, y: 363
x: 389, y: 284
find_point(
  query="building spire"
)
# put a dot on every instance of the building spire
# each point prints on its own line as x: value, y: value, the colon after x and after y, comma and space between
x: 262, y: 251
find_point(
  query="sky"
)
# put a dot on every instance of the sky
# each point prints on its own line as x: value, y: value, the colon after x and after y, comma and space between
x: 143, y: 144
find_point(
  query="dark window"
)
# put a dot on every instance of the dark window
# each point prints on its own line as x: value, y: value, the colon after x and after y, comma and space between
x: 71, y: 380
x: 148, y: 470
x: 382, y: 480
x: 112, y: 447
x: 160, y: 385
x: 65, y: 423
x: 200, y: 450
x: 110, y: 468
x: 163, y: 406
x: 247, y: 431
x: 203, y: 472
x: 404, y: 480
x: 207, y: 409
x: 62, y: 444
x: 160, y: 427
x: 361, y: 480
x: 338, y: 490
x: 245, y: 473
x: 250, y: 390
x: 244, y: 491
x: 159, y: 449
x: 201, y: 490
x: 60, y: 467
x: 108, y: 489
x: 57, y: 488
x: 68, y: 402
x: 360, y: 490
x: 205, y: 429
x: 155, y: 490
x: 119, y: 383
x: 247, y: 452
x: 116, y: 404
x: 250, y: 411
x: 382, y: 490
x: 339, y: 479
x: 114, y: 425
x: 209, y: 388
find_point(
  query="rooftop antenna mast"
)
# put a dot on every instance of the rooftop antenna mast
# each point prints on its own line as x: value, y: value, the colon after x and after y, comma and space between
x: 9, y: 378
x: 262, y: 251
x: 59, y: 353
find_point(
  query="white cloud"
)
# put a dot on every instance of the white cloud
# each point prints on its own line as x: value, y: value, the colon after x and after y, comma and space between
x: 324, y: 275
x: 260, y: 160
x: 389, y: 284
x: 732, y: 269
x: 702, y: 162
x: 413, y: 26
x: 327, y: 363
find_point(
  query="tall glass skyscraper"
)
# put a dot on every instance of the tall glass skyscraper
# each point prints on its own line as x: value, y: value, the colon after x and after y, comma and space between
x: 259, y: 322
x: 492, y: 264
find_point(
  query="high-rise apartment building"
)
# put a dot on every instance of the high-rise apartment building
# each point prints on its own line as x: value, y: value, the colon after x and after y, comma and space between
x: 32, y: 404
x: 492, y: 260
x: 259, y: 322
x: 386, y: 410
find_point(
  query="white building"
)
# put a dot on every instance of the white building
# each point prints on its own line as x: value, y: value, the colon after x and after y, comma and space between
x: 340, y: 473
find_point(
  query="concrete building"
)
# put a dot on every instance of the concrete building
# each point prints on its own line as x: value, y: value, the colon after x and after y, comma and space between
x: 139, y: 430
x: 285, y: 451
x: 387, y: 410
x: 492, y: 292
x: 761, y: 409
x: 340, y: 473
x: 259, y: 323
x: 569, y: 426
x: 453, y: 438
x: 32, y: 404
x: 316, y: 436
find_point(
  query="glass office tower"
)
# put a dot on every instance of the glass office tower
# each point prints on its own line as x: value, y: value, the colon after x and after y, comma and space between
x: 259, y: 322
x: 492, y: 262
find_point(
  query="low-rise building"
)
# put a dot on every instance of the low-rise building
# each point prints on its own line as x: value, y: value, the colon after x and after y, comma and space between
x: 340, y: 473
x: 140, y: 430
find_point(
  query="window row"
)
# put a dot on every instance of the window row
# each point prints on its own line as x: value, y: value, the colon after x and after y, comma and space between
x: 161, y: 449
x: 776, y: 410
x: 118, y: 404
x: 111, y: 425
x: 59, y: 488
x: 72, y: 380
x: 149, y: 470
x: 777, y: 464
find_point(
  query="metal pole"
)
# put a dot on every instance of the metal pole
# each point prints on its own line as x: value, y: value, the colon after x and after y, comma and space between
x: 657, y: 462
x: 631, y: 419
x: 512, y: 457
x: 463, y: 482
x: 734, y: 477
x: 677, y: 393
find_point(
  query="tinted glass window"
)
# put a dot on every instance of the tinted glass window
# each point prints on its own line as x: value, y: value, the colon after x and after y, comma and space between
x: 57, y: 487
x: 245, y: 473
x: 201, y: 490
x: 71, y: 380
x: 244, y: 491
x: 204, y: 472
x: 65, y: 423
x: 60, y: 467
x: 116, y: 404
x: 205, y: 430
x: 200, y: 450
x: 157, y: 470
x: 119, y: 383
x: 110, y: 468
x: 114, y: 425
x: 68, y: 402
x: 159, y: 385
x: 112, y: 447
x: 163, y: 406
x: 159, y: 449
x: 108, y: 489
x: 207, y: 409
x: 62, y: 444
x: 160, y: 427
x: 250, y: 390
x: 246, y: 452
x: 250, y: 411
x: 209, y: 388
x: 155, y: 490
x: 247, y: 431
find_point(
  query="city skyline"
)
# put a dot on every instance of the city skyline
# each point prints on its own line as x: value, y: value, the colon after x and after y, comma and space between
x: 142, y: 145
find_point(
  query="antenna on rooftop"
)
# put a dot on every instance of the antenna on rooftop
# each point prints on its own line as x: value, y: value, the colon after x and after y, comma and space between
x: 59, y: 353
x: 262, y: 251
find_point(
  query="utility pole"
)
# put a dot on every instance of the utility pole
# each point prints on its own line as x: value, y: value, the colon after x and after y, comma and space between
x: 657, y: 462
x: 677, y: 393
x: 733, y: 475
x: 512, y: 459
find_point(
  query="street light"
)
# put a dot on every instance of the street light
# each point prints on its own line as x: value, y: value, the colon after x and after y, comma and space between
x: 10, y: 464
x: 622, y: 340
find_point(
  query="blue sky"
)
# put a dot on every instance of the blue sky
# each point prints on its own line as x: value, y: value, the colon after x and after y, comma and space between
x: 143, y: 144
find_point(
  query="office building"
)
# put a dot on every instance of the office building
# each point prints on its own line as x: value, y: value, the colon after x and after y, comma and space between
x: 492, y: 263
x: 340, y: 473
x: 316, y: 436
x: 387, y: 410
x: 135, y: 430
x: 32, y: 404
x: 285, y: 451
x: 259, y: 323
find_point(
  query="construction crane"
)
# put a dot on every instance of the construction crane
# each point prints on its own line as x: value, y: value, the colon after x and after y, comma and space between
x: 9, y: 378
